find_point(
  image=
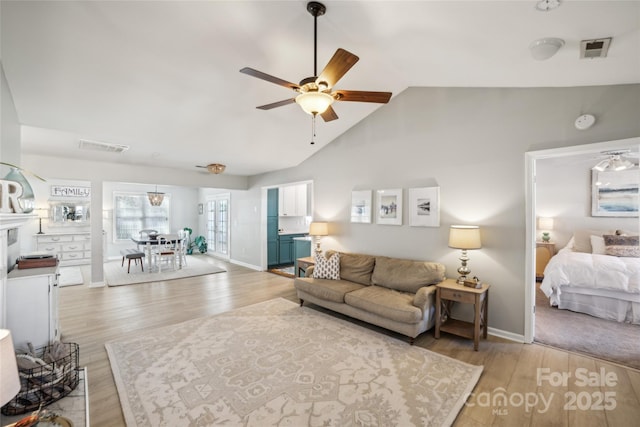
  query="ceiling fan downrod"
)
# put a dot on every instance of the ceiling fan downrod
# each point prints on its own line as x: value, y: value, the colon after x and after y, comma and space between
x: 316, y: 9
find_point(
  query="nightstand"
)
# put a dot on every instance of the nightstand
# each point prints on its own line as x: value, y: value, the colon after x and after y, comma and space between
x: 544, y: 252
x: 449, y: 292
x: 302, y: 264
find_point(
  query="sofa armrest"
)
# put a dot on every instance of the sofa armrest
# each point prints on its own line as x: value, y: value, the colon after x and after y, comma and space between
x: 424, y: 297
x: 309, y: 271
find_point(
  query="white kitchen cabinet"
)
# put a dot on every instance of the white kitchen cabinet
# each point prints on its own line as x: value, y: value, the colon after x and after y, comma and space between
x: 70, y: 248
x: 292, y: 200
x: 32, y: 306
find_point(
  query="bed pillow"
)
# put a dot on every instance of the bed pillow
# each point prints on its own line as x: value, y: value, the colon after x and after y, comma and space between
x: 582, y: 238
x: 327, y: 268
x: 622, y: 246
x: 597, y: 245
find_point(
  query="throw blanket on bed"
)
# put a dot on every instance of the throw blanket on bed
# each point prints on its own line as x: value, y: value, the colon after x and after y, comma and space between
x: 591, y: 271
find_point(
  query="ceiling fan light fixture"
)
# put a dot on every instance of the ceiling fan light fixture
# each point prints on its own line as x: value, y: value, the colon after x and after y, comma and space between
x: 216, y: 168
x: 314, y: 102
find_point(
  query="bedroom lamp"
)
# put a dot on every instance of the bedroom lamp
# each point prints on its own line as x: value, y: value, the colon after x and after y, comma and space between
x: 464, y: 237
x: 317, y: 230
x: 10, y: 384
x: 545, y: 224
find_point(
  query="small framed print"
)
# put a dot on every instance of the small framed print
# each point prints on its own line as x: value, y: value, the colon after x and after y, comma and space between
x: 389, y: 207
x: 361, y: 206
x: 200, y: 209
x: 424, y: 207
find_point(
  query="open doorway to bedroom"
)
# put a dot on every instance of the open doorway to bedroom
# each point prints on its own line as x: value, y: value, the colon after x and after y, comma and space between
x: 581, y: 316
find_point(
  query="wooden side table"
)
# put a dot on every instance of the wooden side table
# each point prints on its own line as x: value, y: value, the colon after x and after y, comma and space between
x: 449, y: 292
x: 303, y: 264
x: 544, y: 252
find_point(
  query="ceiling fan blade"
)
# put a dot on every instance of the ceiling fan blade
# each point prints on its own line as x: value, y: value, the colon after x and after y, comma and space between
x: 338, y: 65
x: 362, y: 96
x: 329, y: 114
x: 269, y: 78
x: 277, y: 104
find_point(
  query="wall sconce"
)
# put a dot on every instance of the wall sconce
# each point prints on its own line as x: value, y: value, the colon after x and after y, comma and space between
x: 317, y: 230
x: 464, y: 237
x: 545, y: 224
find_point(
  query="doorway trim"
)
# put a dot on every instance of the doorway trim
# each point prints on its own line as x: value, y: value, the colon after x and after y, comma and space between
x: 530, y: 208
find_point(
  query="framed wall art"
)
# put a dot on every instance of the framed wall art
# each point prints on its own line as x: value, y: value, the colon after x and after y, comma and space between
x: 389, y: 207
x: 361, y: 206
x: 424, y: 207
x: 615, y: 193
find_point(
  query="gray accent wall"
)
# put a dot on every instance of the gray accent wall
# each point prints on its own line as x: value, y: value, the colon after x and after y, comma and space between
x: 471, y: 142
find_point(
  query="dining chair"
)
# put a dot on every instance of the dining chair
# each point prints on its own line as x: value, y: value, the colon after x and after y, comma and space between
x: 181, y: 247
x: 146, y: 234
x: 165, y: 251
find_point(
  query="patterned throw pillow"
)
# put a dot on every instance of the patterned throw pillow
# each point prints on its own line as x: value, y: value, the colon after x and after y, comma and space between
x: 327, y: 268
x: 626, y: 246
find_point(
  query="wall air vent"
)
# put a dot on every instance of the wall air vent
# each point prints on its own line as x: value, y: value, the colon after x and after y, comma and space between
x: 85, y: 144
x: 596, y: 48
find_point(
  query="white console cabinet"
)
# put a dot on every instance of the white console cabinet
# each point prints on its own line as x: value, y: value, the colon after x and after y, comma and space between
x: 70, y: 248
x: 32, y: 306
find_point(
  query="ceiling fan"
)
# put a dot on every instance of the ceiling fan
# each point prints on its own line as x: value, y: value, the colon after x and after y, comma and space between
x: 215, y: 168
x: 616, y: 160
x: 316, y: 94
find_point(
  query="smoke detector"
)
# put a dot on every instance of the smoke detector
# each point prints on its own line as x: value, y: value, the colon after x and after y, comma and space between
x: 85, y: 144
x: 596, y: 48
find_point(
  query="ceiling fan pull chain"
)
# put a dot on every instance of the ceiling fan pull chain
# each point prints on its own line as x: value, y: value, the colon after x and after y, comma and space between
x: 313, y: 129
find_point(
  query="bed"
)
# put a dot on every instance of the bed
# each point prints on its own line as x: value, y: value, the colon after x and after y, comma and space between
x: 592, y: 282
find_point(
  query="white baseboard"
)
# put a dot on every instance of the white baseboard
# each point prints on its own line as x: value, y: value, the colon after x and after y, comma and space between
x: 97, y: 284
x: 244, y: 264
x: 506, y: 335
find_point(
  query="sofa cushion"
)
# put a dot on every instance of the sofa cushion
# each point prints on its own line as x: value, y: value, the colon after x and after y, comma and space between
x: 356, y: 267
x: 386, y: 303
x: 331, y: 290
x: 327, y: 267
x: 406, y: 275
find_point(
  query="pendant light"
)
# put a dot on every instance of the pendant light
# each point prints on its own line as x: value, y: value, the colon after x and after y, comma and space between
x: 155, y: 198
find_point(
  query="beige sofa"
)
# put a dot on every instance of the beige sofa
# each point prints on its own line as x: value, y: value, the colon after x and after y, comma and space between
x: 396, y: 294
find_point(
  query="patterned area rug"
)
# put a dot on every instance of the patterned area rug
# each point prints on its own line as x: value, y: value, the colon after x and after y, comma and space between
x: 276, y: 363
x: 116, y: 275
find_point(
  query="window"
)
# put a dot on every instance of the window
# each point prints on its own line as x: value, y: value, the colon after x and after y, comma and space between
x: 132, y: 212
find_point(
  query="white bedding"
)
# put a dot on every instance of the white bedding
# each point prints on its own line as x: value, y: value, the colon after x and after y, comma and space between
x: 591, y: 271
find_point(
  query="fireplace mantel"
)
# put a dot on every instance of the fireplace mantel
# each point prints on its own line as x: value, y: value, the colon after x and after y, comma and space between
x: 13, y: 220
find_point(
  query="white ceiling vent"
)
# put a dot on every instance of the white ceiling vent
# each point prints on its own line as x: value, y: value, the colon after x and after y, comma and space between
x: 596, y: 48
x: 85, y: 144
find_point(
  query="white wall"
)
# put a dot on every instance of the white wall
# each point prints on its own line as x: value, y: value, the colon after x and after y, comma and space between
x: 569, y: 204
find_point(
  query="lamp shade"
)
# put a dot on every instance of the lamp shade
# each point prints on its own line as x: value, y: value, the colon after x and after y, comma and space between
x: 314, y: 102
x: 319, y: 229
x: 545, y: 223
x: 10, y: 382
x: 464, y: 237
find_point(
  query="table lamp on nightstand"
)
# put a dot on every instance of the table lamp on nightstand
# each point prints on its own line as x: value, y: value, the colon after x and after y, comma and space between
x: 10, y: 384
x: 464, y: 237
x: 546, y: 225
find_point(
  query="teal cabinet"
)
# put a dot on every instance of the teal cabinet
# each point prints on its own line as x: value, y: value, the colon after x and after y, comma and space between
x: 301, y: 249
x: 286, y: 249
x: 273, y: 250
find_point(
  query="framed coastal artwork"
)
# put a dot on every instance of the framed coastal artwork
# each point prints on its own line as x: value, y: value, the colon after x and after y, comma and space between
x: 424, y: 207
x: 361, y: 206
x: 389, y: 207
x: 615, y: 193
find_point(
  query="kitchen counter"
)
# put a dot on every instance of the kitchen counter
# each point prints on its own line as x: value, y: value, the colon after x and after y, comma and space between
x: 287, y: 233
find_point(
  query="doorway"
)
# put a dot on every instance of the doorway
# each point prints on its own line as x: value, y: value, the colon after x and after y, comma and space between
x: 218, y: 225
x: 532, y: 212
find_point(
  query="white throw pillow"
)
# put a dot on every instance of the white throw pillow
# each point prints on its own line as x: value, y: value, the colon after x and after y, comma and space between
x: 327, y: 268
x: 597, y: 245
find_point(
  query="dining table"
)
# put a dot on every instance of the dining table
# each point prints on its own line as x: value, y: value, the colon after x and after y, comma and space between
x: 148, y: 244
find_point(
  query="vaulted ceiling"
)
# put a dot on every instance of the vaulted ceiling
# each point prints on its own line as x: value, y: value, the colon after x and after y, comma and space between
x: 162, y: 77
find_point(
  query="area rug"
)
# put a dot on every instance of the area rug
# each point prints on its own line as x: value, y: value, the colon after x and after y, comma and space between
x: 116, y: 275
x: 276, y: 363
x: 604, y: 339
x: 70, y: 276
x: 283, y: 271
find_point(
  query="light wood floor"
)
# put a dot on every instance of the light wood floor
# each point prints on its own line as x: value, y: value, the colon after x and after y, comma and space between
x: 93, y: 316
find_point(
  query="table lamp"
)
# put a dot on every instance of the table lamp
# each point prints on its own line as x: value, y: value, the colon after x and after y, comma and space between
x: 10, y: 384
x: 317, y: 230
x: 464, y: 237
x: 545, y: 224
